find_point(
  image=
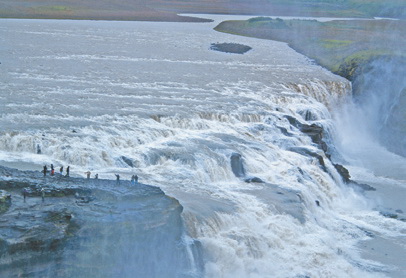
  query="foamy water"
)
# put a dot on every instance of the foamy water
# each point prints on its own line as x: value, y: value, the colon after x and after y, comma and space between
x: 94, y: 95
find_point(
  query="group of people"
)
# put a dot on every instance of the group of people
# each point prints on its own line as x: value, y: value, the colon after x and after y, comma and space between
x: 134, y: 178
x: 52, y: 173
x: 88, y: 173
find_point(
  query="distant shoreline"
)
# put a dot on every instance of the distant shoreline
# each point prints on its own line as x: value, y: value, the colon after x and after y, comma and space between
x: 170, y: 11
x: 137, y: 10
x: 153, y: 18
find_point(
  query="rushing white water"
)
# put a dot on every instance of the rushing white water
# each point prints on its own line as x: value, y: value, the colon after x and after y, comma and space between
x: 96, y: 95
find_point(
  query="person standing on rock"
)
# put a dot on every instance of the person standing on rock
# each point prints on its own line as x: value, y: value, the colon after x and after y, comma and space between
x: 25, y: 193
x: 61, y: 170
x: 52, y: 170
x: 134, y: 179
x: 45, y: 170
x: 117, y: 178
x: 67, y: 171
x: 88, y: 174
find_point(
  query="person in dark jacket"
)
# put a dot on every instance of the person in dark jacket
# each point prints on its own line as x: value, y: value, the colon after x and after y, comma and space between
x: 25, y: 193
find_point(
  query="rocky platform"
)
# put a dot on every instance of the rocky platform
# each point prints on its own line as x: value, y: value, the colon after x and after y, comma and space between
x: 74, y: 227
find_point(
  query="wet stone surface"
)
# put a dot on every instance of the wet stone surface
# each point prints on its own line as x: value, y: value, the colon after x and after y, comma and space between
x: 57, y: 226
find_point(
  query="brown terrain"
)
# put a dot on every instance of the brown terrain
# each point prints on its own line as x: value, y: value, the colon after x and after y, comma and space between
x: 89, y: 9
x: 143, y: 10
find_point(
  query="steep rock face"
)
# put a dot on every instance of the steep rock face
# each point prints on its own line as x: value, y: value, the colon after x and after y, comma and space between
x: 33, y: 236
x: 380, y: 92
x: 395, y: 128
x: 80, y: 228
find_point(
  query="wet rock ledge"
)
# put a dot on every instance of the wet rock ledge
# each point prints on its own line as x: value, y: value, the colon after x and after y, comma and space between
x: 74, y: 227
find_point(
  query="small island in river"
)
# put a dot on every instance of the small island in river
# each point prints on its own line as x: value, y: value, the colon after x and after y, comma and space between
x: 234, y: 48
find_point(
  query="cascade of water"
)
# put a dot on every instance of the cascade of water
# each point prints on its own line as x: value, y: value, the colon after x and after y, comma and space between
x: 243, y: 149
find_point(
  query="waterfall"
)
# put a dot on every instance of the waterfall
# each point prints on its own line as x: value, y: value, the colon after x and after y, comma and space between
x: 243, y: 143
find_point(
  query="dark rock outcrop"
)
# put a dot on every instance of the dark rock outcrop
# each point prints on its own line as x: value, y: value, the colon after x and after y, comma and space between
x: 316, y: 134
x: 237, y: 165
x: 344, y: 173
x: 314, y: 131
x: 285, y: 131
x: 253, y: 179
x: 238, y: 169
x: 128, y: 161
x: 309, y: 153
